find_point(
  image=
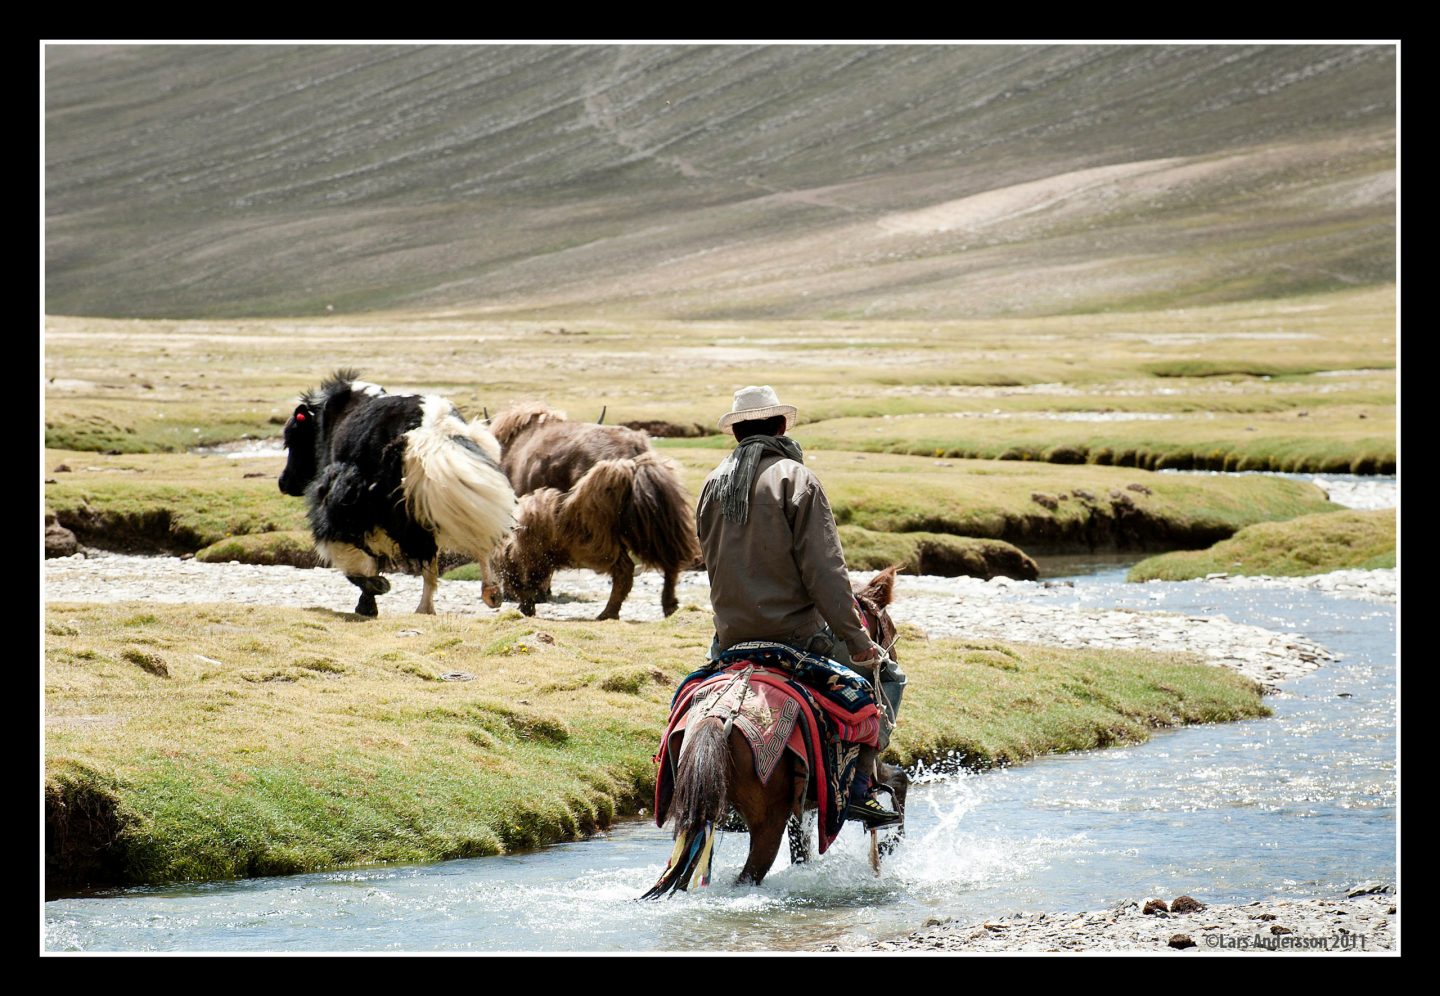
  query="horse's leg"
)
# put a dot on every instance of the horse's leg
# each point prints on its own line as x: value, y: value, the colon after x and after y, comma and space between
x: 895, y: 777
x: 797, y: 828
x: 668, y: 602
x: 766, y: 808
x: 622, y: 578
x: 431, y: 574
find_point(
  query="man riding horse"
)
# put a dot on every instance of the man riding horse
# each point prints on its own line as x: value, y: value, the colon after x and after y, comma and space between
x: 777, y: 572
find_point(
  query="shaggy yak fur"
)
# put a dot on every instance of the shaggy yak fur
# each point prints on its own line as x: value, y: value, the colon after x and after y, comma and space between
x: 392, y: 480
x: 632, y: 506
x: 543, y: 450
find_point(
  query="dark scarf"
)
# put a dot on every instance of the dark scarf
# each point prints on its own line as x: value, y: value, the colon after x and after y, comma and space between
x: 734, y: 479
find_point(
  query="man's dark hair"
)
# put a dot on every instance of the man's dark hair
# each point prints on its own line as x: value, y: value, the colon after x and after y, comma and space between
x: 772, y: 426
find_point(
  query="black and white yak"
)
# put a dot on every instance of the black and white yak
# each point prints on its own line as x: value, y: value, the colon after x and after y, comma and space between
x: 392, y: 480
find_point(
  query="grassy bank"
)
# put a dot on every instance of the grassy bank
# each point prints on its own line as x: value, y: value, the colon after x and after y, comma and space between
x: 200, y: 742
x: 1310, y: 544
x: 184, y: 502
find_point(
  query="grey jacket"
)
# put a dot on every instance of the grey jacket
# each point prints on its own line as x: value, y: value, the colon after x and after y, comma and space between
x: 780, y: 575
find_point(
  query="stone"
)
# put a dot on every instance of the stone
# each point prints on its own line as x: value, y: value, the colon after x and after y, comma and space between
x: 1045, y: 500
x: 1278, y: 930
x: 59, y: 541
x: 1369, y: 889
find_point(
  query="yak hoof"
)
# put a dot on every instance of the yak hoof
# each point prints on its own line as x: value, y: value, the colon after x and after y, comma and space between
x: 372, y: 586
x: 527, y: 608
x: 366, y: 606
x: 669, y: 609
x: 607, y: 615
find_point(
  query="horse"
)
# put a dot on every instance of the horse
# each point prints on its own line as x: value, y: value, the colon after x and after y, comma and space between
x: 619, y: 508
x: 393, y: 479
x: 717, y: 770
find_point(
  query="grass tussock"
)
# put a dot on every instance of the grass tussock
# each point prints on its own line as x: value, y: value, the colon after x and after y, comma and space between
x: 1310, y: 544
x: 288, y: 740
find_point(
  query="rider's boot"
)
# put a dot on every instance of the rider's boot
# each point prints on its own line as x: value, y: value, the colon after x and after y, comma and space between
x: 863, y: 802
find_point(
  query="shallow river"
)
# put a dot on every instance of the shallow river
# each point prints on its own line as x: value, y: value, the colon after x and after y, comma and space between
x: 1300, y: 804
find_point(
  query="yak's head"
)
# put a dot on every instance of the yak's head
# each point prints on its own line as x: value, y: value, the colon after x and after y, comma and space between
x: 302, y: 433
x: 513, y: 576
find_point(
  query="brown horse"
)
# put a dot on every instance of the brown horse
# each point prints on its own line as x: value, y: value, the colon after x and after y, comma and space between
x: 619, y: 509
x: 716, y: 771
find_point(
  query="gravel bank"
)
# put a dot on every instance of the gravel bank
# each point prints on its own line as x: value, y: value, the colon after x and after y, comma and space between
x: 1363, y: 923
x: 997, y: 609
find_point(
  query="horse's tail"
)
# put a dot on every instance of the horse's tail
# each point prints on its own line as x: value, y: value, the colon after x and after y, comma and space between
x: 453, y: 484
x: 702, y: 789
x: 659, y: 526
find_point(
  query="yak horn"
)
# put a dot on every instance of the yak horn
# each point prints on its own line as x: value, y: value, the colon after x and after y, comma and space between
x: 487, y: 413
x: 601, y: 419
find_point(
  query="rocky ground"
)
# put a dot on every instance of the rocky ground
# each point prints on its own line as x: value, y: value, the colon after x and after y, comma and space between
x: 1365, y: 921
x: 999, y: 609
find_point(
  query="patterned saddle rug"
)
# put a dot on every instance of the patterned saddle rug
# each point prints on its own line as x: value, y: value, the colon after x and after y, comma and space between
x: 823, y: 727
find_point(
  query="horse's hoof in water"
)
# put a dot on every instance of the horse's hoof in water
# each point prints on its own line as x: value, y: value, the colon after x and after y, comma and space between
x: 366, y: 606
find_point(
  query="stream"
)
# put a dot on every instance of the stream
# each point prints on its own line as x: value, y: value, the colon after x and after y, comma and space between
x: 1302, y: 804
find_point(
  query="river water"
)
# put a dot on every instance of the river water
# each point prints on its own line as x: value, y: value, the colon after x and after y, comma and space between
x: 1302, y: 804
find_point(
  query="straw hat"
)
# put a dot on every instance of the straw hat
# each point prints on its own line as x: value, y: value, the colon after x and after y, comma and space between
x: 755, y: 403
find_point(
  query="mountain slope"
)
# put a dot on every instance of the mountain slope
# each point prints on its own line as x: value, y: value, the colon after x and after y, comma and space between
x: 691, y: 182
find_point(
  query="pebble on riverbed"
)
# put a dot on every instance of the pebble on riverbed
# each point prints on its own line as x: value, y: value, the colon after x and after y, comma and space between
x: 1313, y: 926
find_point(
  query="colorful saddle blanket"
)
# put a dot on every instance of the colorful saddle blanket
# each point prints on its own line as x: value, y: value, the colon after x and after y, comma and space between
x: 823, y: 726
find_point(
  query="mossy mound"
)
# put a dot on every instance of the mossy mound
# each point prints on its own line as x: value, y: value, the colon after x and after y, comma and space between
x: 936, y: 553
x: 292, y: 547
x: 1310, y: 544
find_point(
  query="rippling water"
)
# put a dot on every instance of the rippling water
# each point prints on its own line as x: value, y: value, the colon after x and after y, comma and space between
x: 1301, y: 804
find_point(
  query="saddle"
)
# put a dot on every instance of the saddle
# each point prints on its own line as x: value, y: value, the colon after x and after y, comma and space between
x: 781, y: 699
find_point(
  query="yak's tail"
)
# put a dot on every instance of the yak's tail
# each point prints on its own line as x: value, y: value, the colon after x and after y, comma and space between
x: 659, y: 526
x: 453, y: 483
x: 702, y: 790
x: 639, y: 504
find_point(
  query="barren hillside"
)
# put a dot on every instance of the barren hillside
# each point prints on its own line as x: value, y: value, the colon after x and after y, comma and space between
x: 717, y: 181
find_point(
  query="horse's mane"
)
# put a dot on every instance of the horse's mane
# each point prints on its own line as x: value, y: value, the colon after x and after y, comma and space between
x: 879, y: 591
x: 508, y: 424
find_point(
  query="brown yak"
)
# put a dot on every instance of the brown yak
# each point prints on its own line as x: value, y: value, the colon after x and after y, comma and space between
x: 634, y: 505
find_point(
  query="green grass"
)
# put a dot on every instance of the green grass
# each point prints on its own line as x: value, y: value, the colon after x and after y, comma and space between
x: 1310, y: 544
x: 210, y: 742
x: 1332, y: 440
x: 188, y: 502
x: 982, y: 388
